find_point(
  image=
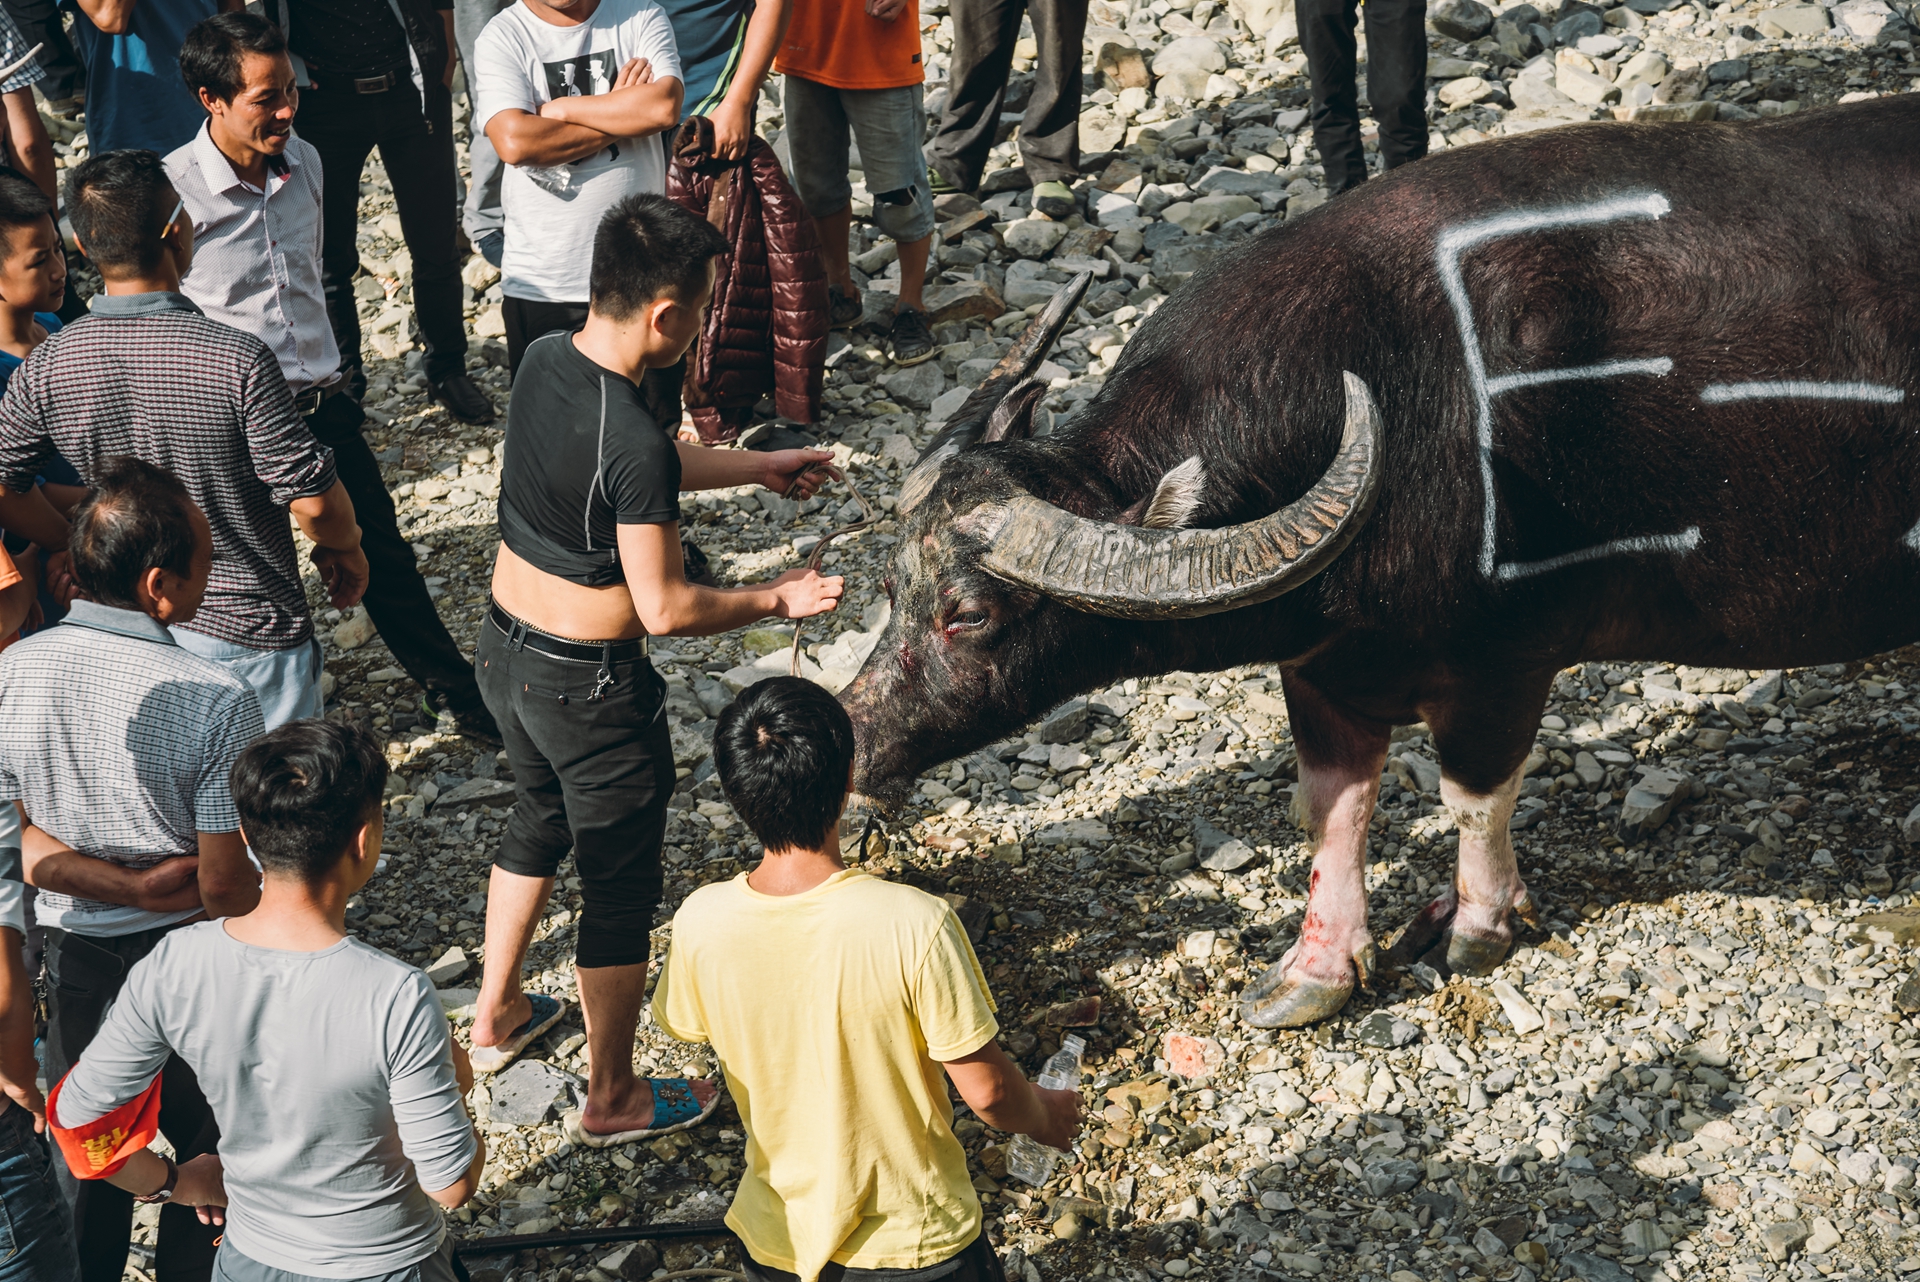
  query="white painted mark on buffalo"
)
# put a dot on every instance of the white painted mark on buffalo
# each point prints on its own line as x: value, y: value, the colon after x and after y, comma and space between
x: 1798, y: 390
x: 1455, y: 243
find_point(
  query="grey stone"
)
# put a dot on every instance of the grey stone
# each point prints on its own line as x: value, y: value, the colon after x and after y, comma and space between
x: 1728, y: 70
x: 1571, y: 30
x: 474, y: 792
x: 1394, y: 1175
x: 917, y: 385
x: 1461, y: 19
x: 1222, y: 181
x: 1593, y: 1268
x: 1784, y: 1238
x: 1178, y: 262
x: 1521, y: 41
x: 1065, y: 723
x: 1791, y: 20
x: 1488, y: 1243
x: 1387, y: 1031
x: 1650, y: 802
x: 1034, y: 237
x: 1231, y: 856
x: 527, y: 1093
x: 1650, y: 7
x: 1761, y: 690
x: 450, y: 966
x: 1025, y: 291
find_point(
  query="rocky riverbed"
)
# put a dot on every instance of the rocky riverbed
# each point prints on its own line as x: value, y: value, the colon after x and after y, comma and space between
x: 1701, y: 1065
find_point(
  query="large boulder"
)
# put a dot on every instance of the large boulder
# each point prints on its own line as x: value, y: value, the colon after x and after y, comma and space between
x: 1461, y: 19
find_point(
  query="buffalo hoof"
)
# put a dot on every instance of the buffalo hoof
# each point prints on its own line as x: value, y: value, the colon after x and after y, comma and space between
x: 1277, y: 1000
x: 1436, y: 933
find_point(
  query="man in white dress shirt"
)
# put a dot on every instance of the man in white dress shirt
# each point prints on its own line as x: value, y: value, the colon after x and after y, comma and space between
x: 253, y: 192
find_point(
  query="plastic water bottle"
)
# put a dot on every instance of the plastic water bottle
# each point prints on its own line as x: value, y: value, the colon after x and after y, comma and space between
x: 1027, y: 1158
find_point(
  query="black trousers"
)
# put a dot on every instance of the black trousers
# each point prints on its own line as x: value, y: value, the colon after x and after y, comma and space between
x: 527, y: 320
x: 417, y: 149
x: 84, y: 975
x: 592, y: 772
x: 41, y: 22
x: 977, y: 1263
x: 984, y: 32
x: 1396, y: 83
x: 397, y: 599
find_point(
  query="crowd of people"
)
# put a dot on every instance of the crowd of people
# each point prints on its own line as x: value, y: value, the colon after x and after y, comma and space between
x: 188, y: 824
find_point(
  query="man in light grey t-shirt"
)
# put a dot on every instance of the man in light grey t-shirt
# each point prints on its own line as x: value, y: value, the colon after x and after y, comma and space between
x: 330, y: 1067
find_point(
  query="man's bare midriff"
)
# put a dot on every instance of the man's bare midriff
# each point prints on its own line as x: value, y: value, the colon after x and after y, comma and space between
x: 564, y: 609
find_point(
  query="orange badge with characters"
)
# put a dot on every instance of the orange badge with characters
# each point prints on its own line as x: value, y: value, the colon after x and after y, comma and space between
x: 97, y: 1149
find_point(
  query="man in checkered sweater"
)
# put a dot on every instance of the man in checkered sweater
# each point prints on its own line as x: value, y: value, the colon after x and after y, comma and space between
x: 146, y: 374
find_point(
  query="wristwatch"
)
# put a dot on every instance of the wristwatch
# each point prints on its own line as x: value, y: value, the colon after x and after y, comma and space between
x: 165, y: 1192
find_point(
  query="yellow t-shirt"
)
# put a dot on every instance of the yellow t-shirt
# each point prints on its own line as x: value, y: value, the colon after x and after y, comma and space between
x: 830, y: 1012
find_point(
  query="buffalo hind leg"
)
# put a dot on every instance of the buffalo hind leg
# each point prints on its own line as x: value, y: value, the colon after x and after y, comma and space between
x: 1480, y: 780
x: 1340, y: 761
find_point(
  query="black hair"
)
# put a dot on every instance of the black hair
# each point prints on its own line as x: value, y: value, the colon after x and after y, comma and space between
x: 648, y: 247
x: 303, y: 789
x: 21, y: 205
x: 214, y: 48
x: 137, y: 517
x: 783, y: 750
x: 116, y: 201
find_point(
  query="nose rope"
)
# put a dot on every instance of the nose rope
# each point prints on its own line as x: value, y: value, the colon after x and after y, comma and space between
x: 820, y: 548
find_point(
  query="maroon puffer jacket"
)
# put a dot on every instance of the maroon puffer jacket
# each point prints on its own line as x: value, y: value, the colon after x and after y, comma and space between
x: 767, y: 331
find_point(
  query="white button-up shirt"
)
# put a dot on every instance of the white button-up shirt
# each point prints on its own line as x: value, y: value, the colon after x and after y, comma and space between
x: 256, y: 254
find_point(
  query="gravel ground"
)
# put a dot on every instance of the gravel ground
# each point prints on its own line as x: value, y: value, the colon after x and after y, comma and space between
x: 1700, y: 1068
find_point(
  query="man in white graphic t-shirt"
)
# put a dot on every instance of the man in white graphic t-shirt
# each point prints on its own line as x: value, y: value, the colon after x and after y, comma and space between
x: 574, y: 95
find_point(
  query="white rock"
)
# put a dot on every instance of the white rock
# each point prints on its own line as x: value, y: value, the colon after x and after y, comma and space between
x: 1520, y: 1012
x: 353, y: 631
x: 1584, y: 87
x: 1034, y: 237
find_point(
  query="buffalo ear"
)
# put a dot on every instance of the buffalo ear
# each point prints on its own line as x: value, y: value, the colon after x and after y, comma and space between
x: 1012, y: 418
x: 1177, y: 497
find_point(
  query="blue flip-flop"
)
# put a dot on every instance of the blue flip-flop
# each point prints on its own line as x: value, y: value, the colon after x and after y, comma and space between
x: 675, y: 1108
x: 546, y: 1013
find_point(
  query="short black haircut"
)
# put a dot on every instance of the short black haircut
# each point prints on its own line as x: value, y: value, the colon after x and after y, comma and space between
x: 21, y: 205
x: 783, y: 750
x: 648, y: 247
x: 303, y: 789
x: 136, y: 518
x: 116, y: 201
x: 213, y: 50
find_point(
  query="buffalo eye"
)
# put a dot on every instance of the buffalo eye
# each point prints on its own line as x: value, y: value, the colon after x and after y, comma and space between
x: 964, y: 620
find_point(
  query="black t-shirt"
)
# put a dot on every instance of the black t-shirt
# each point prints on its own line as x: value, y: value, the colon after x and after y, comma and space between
x: 346, y: 38
x: 583, y: 456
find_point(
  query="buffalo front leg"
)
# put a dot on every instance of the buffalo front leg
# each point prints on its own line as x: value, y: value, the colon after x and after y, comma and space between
x: 1340, y: 760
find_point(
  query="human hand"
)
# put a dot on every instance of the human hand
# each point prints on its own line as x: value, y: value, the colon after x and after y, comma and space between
x: 804, y: 593
x: 462, y: 1069
x: 170, y: 886
x: 202, y: 1185
x: 27, y: 1095
x: 796, y: 474
x: 732, y: 130
x: 886, y: 10
x: 60, y: 583
x: 1064, y: 1111
x: 637, y: 71
x: 344, y: 574
x: 555, y: 109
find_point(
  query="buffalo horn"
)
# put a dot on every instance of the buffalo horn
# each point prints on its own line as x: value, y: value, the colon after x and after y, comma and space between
x: 969, y: 422
x: 1132, y: 573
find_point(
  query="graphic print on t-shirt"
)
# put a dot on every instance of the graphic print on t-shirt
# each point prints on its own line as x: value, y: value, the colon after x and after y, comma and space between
x: 590, y: 73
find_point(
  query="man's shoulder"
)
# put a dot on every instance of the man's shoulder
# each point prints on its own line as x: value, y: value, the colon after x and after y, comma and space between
x: 60, y: 644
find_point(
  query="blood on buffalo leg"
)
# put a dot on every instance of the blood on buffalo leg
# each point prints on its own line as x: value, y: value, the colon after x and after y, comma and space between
x: 1341, y: 756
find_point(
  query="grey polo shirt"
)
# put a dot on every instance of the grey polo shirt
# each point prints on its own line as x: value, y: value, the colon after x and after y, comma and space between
x: 119, y: 743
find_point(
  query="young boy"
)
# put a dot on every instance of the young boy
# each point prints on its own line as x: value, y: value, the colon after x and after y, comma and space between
x: 852, y: 1162
x: 330, y: 1067
x: 33, y: 273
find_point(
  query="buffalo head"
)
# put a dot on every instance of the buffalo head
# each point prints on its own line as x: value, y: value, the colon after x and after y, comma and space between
x: 1006, y: 603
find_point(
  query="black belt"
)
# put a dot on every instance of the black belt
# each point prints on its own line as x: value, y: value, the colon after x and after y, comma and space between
x: 377, y: 84
x: 310, y: 400
x: 364, y: 84
x: 526, y: 636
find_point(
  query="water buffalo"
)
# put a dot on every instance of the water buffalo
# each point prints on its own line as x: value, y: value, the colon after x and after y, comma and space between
x: 1611, y: 391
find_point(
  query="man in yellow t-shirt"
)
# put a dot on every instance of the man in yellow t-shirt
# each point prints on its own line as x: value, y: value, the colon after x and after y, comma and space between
x: 835, y: 1002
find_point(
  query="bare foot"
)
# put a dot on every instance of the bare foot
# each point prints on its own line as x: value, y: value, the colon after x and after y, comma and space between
x: 493, y: 1024
x: 634, y: 1111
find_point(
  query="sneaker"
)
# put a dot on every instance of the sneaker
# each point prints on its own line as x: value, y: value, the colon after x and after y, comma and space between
x: 911, y: 338
x: 843, y: 310
x: 1054, y: 199
x: 491, y: 244
x: 463, y: 398
x: 473, y: 722
x: 938, y: 185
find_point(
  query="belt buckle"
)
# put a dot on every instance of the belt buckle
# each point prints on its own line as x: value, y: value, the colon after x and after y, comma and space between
x: 374, y: 84
x: 308, y: 401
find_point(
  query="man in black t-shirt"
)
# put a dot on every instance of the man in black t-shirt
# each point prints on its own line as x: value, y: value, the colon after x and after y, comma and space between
x: 369, y: 79
x: 589, y: 567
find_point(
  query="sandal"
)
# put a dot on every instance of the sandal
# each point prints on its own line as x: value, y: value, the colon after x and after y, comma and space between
x: 546, y: 1013
x: 675, y: 1108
